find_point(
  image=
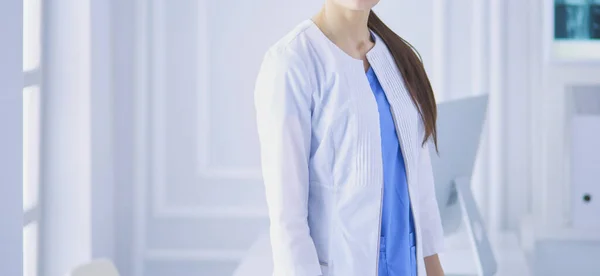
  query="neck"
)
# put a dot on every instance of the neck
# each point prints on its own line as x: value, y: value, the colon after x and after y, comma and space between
x: 346, y: 28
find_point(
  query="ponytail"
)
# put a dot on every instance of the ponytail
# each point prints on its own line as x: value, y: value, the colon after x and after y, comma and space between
x: 413, y: 72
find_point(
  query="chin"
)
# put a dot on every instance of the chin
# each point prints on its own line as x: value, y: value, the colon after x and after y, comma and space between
x: 358, y: 5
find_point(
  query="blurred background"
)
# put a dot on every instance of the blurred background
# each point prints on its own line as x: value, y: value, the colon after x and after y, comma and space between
x: 136, y: 124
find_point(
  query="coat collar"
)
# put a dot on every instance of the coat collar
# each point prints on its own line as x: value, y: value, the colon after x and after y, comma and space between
x: 403, y: 109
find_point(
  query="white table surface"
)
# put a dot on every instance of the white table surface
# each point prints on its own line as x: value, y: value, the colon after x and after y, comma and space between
x: 459, y: 259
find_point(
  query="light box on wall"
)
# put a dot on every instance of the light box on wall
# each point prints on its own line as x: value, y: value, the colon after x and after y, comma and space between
x: 575, y: 30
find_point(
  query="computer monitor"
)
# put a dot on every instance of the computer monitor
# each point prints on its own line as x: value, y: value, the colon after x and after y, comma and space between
x: 459, y: 128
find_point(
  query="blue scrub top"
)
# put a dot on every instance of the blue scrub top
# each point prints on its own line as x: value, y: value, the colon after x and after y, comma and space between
x: 397, y: 256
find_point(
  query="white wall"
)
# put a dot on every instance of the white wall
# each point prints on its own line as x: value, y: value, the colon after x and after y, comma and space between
x: 78, y: 201
x: 123, y: 25
x: 11, y: 140
x: 518, y: 111
x: 101, y: 121
x: 402, y: 16
x: 66, y: 143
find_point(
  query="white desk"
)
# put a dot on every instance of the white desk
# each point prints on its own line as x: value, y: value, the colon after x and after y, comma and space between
x: 556, y: 251
x: 458, y: 258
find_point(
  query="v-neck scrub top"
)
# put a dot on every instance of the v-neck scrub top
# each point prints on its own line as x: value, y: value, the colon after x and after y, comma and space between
x: 397, y: 255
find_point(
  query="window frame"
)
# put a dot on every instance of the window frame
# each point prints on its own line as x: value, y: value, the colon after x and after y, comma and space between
x: 33, y: 77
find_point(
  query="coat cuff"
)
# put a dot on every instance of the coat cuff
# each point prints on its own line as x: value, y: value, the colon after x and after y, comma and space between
x: 433, y: 241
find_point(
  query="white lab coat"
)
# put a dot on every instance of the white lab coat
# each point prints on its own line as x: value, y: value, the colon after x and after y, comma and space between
x: 318, y: 126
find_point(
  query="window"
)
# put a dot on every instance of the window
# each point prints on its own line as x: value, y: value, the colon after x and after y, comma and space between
x: 32, y: 57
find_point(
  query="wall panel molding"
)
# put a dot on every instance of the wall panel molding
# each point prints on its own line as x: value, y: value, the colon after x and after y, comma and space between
x: 517, y: 103
x: 497, y: 37
x: 195, y: 255
x: 163, y: 210
x: 206, y: 173
x: 141, y: 164
x: 480, y: 85
x: 154, y: 203
x: 206, y: 170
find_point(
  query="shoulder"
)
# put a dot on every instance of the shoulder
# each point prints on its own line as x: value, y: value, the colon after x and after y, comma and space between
x: 295, y: 42
x: 289, y: 57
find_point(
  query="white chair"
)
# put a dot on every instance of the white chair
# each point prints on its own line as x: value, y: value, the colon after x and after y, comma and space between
x: 100, y: 267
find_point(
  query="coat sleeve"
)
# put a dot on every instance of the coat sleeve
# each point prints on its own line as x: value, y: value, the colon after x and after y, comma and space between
x: 432, y: 233
x: 283, y: 99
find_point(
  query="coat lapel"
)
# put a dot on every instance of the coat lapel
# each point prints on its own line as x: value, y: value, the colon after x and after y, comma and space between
x: 406, y: 117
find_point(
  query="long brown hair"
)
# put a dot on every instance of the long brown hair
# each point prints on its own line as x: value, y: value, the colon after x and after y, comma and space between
x: 411, y: 67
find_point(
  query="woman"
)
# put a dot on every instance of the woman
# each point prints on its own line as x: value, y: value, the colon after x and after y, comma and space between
x: 345, y: 116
